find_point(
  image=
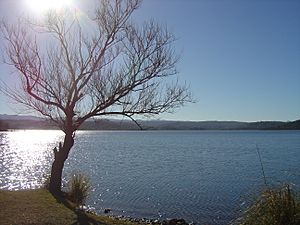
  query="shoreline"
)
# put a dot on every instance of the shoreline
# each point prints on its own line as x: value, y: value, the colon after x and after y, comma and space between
x: 39, y: 206
x: 147, y: 221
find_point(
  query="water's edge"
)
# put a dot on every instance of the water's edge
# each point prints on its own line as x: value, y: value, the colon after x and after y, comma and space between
x: 202, y: 176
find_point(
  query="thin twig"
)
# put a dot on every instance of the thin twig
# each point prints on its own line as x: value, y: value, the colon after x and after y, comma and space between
x: 262, y: 166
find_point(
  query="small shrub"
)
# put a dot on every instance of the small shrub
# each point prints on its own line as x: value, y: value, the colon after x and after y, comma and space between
x: 274, y: 207
x: 79, y: 188
x: 46, y: 181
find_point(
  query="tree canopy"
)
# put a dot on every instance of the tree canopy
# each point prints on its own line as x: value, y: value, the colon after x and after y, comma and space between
x: 112, y: 66
x: 72, y: 69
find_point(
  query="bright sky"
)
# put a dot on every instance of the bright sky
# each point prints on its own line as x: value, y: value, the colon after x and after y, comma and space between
x: 241, y: 58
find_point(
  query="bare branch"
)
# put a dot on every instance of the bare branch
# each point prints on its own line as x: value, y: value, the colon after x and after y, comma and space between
x: 111, y: 67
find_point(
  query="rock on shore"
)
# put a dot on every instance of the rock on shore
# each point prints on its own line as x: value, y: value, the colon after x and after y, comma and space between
x: 153, y: 221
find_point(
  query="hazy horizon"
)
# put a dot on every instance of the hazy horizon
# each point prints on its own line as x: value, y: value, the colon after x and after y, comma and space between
x: 153, y: 119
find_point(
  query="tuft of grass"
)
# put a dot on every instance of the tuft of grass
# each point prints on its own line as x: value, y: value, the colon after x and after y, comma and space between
x: 79, y: 188
x: 274, y: 207
x: 46, y: 181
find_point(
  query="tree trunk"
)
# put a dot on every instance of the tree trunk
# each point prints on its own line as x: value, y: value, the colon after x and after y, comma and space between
x: 60, y: 157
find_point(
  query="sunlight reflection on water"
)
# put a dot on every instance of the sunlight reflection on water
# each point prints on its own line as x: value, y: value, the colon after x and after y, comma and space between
x: 25, y: 157
x: 206, y: 177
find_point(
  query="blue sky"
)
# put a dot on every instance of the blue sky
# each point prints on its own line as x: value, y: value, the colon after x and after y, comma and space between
x: 241, y: 58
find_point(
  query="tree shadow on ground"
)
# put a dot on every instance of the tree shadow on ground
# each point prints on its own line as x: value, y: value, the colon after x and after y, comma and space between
x: 82, y: 217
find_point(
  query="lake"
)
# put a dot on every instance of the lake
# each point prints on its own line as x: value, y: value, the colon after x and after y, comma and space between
x: 206, y: 177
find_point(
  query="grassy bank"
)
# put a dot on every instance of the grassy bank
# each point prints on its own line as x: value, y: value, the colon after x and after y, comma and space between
x: 40, y: 207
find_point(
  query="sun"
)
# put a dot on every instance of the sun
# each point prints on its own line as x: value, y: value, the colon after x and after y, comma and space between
x: 41, y: 6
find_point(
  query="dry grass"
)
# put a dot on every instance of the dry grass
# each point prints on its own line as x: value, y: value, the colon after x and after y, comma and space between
x: 79, y: 188
x: 274, y: 207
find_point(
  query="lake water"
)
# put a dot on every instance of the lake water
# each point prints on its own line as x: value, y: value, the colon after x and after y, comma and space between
x: 206, y: 177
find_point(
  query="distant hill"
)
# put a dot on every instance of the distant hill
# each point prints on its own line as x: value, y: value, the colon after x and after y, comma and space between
x: 294, y: 125
x: 18, y: 117
x: 31, y: 122
x: 3, y: 126
x: 223, y: 125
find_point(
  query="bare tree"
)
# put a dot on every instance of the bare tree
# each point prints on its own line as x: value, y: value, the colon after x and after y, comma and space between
x: 111, y: 66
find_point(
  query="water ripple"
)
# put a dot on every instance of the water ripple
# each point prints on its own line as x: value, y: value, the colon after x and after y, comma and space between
x: 25, y: 156
x: 205, y: 177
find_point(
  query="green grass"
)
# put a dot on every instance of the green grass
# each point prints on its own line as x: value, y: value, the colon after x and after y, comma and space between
x: 40, y: 207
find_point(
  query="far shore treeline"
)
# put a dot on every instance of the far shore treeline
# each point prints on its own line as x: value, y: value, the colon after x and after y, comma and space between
x: 29, y: 122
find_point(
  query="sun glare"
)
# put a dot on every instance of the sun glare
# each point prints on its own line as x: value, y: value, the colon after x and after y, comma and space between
x: 41, y: 6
